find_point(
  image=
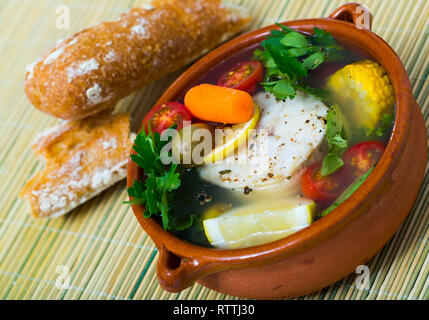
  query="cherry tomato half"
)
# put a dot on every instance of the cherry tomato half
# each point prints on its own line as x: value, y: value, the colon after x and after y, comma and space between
x: 244, y: 76
x: 166, y: 115
x: 358, y: 159
x: 362, y: 156
x: 323, y: 189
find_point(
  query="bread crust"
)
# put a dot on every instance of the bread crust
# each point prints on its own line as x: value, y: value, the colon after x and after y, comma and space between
x: 83, y: 158
x: 93, y: 69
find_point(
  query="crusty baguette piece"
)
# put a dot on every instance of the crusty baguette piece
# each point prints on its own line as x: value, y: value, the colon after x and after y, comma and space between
x: 93, y: 69
x: 83, y: 158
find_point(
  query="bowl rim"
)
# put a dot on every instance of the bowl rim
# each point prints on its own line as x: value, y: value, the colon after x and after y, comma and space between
x: 345, y: 212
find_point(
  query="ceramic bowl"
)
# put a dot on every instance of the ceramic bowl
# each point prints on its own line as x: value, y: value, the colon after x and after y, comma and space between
x: 332, y: 247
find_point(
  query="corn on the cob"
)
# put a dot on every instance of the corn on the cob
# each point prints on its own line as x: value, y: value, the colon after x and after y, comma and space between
x: 363, y: 91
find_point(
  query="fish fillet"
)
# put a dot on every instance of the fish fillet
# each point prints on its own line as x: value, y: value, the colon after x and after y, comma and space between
x: 290, y: 135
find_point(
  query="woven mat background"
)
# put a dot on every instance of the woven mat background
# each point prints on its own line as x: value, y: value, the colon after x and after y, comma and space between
x: 100, y: 246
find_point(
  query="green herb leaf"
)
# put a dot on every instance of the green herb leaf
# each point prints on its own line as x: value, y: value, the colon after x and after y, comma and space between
x: 156, y: 192
x: 335, y: 132
x: 151, y: 193
x: 170, y: 181
x: 331, y: 163
x: 299, y: 52
x: 136, y: 191
x: 288, y: 56
x: 294, y: 39
x: 285, y: 29
x: 286, y: 63
x: 337, y: 141
x: 313, y: 61
x: 334, y: 123
x: 323, y: 38
x: 283, y: 89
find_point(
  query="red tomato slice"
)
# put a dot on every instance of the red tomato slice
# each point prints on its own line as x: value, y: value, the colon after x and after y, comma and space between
x: 166, y: 115
x: 322, y: 189
x: 362, y: 156
x: 244, y: 76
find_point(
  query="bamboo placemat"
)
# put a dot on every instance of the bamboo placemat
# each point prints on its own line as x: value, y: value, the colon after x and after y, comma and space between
x: 99, y: 249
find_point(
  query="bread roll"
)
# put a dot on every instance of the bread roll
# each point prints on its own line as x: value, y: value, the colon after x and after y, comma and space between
x: 83, y: 158
x: 93, y: 69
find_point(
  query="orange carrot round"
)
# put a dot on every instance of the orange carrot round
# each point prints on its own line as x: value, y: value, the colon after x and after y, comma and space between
x: 219, y: 104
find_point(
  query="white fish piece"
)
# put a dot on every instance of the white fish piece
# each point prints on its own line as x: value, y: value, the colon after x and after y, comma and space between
x: 290, y: 136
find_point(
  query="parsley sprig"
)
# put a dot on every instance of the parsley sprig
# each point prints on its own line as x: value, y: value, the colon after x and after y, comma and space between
x: 336, y: 135
x: 156, y: 191
x: 288, y: 55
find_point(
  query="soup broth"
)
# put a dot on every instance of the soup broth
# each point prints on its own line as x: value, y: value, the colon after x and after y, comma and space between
x: 330, y: 145
x: 196, y: 196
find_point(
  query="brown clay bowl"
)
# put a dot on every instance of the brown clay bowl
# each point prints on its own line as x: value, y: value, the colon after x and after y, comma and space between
x: 332, y: 247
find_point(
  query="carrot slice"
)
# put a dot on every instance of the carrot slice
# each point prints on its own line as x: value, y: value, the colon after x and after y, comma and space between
x: 219, y: 104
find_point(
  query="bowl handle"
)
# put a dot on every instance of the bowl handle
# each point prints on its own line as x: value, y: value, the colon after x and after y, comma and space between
x: 176, y: 273
x: 355, y: 13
